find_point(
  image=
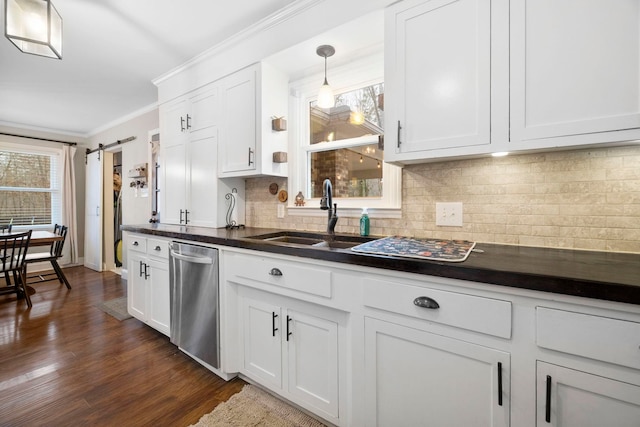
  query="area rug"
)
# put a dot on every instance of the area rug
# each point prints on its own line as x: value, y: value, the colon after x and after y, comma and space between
x: 116, y: 308
x: 254, y: 407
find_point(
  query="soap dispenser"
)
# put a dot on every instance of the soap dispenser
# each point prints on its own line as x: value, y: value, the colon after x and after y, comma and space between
x: 364, y: 222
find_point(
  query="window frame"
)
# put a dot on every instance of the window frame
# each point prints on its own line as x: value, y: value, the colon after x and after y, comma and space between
x: 358, y: 73
x: 56, y: 184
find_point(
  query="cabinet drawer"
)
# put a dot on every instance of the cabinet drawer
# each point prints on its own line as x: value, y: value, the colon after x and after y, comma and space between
x: 286, y: 274
x: 601, y: 338
x: 485, y: 315
x: 137, y: 243
x: 158, y: 247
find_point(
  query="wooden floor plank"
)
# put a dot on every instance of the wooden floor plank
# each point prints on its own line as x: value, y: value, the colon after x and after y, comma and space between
x: 66, y: 362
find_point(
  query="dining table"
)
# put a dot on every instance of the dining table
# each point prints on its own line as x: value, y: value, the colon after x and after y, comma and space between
x: 43, y: 238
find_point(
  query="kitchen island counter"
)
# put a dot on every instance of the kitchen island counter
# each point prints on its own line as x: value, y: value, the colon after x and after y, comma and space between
x: 607, y: 276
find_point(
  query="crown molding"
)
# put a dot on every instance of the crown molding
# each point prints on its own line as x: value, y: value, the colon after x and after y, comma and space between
x: 286, y: 13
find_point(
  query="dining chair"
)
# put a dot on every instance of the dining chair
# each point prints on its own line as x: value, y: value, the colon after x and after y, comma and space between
x: 52, y: 256
x: 13, y: 252
x: 5, y: 228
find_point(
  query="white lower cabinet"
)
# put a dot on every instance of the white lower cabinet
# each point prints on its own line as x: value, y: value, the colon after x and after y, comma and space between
x: 362, y: 346
x: 148, y: 292
x: 416, y: 378
x: 571, y: 398
x: 292, y: 347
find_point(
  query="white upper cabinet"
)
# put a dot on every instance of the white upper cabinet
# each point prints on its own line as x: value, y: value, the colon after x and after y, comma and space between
x: 250, y: 99
x: 471, y: 77
x: 574, y: 72
x: 438, y: 77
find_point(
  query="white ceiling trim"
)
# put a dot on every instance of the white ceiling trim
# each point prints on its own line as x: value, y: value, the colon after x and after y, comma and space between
x: 282, y: 15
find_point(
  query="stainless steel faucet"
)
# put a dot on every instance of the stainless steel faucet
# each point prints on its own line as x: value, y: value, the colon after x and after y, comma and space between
x: 325, y: 204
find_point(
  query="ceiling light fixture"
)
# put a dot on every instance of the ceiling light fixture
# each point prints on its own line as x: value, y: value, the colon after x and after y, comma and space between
x: 325, y: 94
x: 34, y: 26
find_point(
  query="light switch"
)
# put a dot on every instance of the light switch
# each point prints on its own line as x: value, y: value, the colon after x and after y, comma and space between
x: 449, y: 214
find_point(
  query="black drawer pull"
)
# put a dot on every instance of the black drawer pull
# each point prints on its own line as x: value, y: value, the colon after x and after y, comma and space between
x: 426, y: 302
x: 275, y: 272
x: 273, y: 323
x: 499, y: 383
x: 547, y: 408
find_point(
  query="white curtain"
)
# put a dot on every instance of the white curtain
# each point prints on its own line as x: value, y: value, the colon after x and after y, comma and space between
x: 69, y: 210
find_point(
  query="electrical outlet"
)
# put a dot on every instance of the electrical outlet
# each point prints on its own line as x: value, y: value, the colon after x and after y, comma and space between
x: 449, y: 214
x: 280, y: 210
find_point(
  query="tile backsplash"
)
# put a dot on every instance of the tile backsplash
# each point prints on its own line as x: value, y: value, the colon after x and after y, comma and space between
x: 579, y: 199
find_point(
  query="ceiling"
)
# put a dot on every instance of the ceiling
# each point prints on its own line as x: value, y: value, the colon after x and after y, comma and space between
x: 112, y: 50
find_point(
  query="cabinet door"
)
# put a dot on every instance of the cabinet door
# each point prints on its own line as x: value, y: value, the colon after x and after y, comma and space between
x: 238, y: 132
x: 204, y: 110
x: 574, y: 71
x: 437, y: 75
x: 312, y: 344
x: 262, y: 336
x: 202, y: 179
x: 158, y: 307
x: 418, y: 378
x: 174, y: 123
x: 173, y: 192
x: 569, y: 398
x: 136, y: 286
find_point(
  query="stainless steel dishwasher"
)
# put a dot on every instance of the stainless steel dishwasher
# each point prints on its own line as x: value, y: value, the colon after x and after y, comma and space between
x: 195, y: 312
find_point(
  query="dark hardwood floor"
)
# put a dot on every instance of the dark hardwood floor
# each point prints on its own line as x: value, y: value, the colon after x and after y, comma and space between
x: 67, y: 363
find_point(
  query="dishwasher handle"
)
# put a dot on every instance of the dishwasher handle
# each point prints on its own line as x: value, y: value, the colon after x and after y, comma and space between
x: 193, y: 259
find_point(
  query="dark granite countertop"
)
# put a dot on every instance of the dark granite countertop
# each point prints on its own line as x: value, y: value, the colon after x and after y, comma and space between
x: 600, y: 275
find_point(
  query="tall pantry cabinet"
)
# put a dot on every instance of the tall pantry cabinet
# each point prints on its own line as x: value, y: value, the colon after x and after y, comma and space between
x: 191, y: 193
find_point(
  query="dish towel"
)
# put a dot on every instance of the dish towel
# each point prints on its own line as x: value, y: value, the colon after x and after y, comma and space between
x: 407, y: 247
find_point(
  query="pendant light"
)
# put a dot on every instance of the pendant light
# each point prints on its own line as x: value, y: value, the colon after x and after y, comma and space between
x: 325, y: 94
x: 34, y: 26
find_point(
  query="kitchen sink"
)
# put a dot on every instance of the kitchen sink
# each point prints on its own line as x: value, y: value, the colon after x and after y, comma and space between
x: 317, y: 240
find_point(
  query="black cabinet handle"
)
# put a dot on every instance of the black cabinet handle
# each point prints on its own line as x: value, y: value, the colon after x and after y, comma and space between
x: 275, y: 272
x: 250, y: 153
x: 182, y: 129
x: 181, y: 212
x: 426, y: 302
x: 288, y: 332
x: 273, y: 323
x: 188, y: 121
x: 135, y: 243
x: 499, y: 383
x: 146, y: 274
x: 399, y: 127
x: 141, y: 272
x: 186, y: 216
x: 547, y: 409
x: 158, y: 248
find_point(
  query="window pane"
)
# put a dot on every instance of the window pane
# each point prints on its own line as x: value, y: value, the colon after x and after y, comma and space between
x: 356, y: 113
x: 25, y: 207
x: 354, y: 171
x: 25, y: 170
x: 29, y: 188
